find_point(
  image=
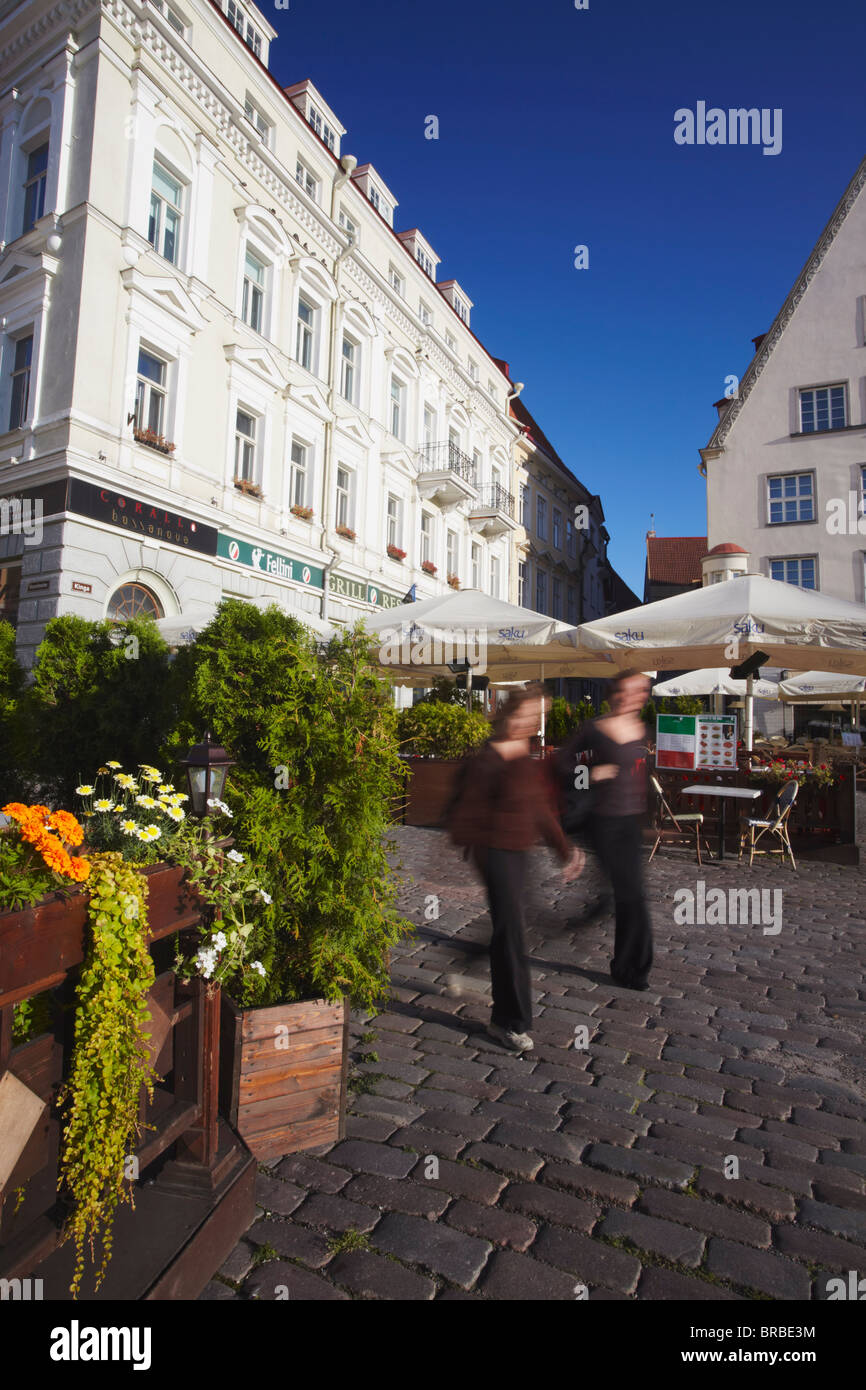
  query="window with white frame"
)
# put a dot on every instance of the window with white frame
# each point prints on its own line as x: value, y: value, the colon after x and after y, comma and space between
x: 245, y: 446
x: 453, y: 444
x: 322, y: 129
x: 349, y: 369
x: 473, y: 370
x: 491, y: 391
x: 151, y: 392
x: 477, y: 466
x: 22, y: 359
x: 426, y: 538
x: 349, y: 225
x: 166, y: 214
x: 424, y: 313
x: 540, y: 591
x: 394, y: 522
x: 429, y: 426
x: 495, y: 568
x: 258, y: 119
x: 343, y: 511
x: 796, y: 569
x: 522, y: 581
x: 557, y: 528
x: 461, y: 308
x: 790, y: 497
x: 823, y: 408
x: 452, y: 560
x: 541, y: 518
x: 307, y: 179
x: 35, y: 181
x: 556, y: 603
x: 306, y: 334
x: 425, y: 262
x: 476, y: 566
x: 396, y: 281
x: 174, y: 17
x: 299, y: 479
x: 247, y: 31
x: 450, y: 341
x: 253, y: 298
x: 524, y: 504
x: 398, y: 407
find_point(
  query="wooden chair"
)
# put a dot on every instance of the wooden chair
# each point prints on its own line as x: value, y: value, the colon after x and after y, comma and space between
x: 776, y: 824
x: 664, y: 814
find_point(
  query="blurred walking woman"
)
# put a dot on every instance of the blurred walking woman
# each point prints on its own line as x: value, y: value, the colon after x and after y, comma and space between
x: 615, y: 748
x: 501, y: 808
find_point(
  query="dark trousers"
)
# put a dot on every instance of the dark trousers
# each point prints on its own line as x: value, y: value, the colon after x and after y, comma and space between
x: 618, y: 843
x: 504, y: 875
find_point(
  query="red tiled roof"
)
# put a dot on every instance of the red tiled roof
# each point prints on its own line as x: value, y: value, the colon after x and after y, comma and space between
x: 675, y: 559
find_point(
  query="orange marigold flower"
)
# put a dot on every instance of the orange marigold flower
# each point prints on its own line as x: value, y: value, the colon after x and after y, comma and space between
x: 79, y: 869
x: 68, y: 827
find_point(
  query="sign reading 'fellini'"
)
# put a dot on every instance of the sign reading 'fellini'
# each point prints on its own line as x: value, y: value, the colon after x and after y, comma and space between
x: 275, y: 565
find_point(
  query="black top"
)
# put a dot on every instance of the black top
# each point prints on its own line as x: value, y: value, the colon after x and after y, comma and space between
x: 624, y: 794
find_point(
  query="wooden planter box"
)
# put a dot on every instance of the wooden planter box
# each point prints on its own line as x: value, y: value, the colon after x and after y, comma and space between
x: 429, y: 789
x: 283, y: 1074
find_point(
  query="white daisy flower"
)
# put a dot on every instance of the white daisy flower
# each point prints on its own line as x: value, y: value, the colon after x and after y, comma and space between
x: 235, y: 857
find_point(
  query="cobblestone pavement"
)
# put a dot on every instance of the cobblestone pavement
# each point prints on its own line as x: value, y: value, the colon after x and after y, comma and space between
x: 708, y: 1141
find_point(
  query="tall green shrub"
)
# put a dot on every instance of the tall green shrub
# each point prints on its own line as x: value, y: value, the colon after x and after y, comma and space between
x: 93, y: 698
x: 440, y: 730
x: 11, y: 686
x: 317, y: 768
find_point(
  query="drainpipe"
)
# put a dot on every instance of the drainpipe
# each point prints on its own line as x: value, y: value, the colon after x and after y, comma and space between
x: 349, y: 163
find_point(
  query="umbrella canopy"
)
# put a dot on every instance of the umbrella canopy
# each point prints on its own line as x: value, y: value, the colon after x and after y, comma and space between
x: 799, y: 628
x: 814, y: 687
x: 714, y: 680
x: 416, y: 641
x: 182, y: 628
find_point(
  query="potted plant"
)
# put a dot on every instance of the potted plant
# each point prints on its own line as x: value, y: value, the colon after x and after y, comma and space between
x: 396, y: 553
x: 346, y: 532
x: 248, y: 488
x: 428, y: 567
x: 304, y: 513
x: 454, y: 581
x: 153, y: 440
x: 436, y: 736
x: 315, y: 748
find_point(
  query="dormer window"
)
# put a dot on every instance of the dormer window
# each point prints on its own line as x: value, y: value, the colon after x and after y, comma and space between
x: 322, y: 129
x: 374, y: 197
x: 425, y: 262
x: 461, y: 309
x: 248, y: 32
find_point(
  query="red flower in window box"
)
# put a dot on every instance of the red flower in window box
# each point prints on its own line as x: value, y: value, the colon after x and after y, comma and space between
x: 248, y: 488
x: 428, y: 567
x: 454, y: 581
x: 346, y: 532
x: 305, y: 513
x: 396, y: 553
x: 153, y: 440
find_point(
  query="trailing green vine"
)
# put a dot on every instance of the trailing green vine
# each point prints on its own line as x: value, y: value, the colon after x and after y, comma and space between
x: 110, y: 1061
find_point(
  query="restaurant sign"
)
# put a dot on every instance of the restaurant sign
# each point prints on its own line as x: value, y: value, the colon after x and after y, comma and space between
x: 149, y: 520
x: 269, y: 563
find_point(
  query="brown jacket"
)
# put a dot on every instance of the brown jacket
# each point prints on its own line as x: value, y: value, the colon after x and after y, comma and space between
x: 503, y: 803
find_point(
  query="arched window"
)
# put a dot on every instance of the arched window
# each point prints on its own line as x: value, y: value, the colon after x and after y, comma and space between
x: 133, y: 601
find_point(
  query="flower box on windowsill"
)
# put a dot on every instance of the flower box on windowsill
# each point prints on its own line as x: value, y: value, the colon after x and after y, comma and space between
x: 428, y: 567
x: 396, y: 553
x: 346, y: 532
x: 303, y: 513
x: 454, y: 581
x: 247, y: 488
x: 153, y: 441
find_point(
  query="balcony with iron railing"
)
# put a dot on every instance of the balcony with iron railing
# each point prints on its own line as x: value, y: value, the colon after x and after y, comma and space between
x: 493, y: 513
x: 446, y: 475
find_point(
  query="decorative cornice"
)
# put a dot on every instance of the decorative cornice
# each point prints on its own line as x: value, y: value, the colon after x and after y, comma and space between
x: 789, y: 308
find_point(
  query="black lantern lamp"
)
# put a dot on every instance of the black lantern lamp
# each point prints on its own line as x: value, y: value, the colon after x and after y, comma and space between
x: 206, y: 766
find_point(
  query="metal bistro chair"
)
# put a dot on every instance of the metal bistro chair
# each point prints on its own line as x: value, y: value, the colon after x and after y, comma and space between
x: 776, y: 823
x: 665, y: 814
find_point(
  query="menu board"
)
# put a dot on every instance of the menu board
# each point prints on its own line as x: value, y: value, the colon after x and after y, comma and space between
x: 693, y: 741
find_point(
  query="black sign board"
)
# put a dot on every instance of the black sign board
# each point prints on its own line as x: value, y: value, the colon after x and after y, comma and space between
x: 149, y: 520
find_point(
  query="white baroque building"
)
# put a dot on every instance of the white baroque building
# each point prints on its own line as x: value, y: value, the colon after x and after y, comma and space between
x: 786, y: 464
x: 222, y: 369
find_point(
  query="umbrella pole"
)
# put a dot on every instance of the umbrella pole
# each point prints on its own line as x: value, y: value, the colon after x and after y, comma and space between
x: 749, y: 732
x: 543, y: 706
x: 468, y: 688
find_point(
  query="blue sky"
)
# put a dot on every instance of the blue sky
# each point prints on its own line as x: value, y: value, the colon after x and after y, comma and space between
x: 556, y: 129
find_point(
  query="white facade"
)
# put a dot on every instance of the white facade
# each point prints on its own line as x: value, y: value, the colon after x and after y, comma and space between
x: 786, y: 464
x: 212, y: 327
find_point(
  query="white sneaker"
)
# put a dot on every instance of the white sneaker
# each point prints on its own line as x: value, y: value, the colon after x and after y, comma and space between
x: 515, y: 1042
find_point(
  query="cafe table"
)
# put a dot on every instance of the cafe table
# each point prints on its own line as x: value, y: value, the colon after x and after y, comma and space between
x: 723, y: 793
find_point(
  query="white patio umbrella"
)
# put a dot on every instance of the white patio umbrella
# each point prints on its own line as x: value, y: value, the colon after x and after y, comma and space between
x: 728, y: 622
x: 814, y: 687
x: 714, y: 680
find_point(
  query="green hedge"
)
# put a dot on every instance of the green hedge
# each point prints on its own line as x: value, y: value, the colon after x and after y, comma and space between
x: 440, y: 730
